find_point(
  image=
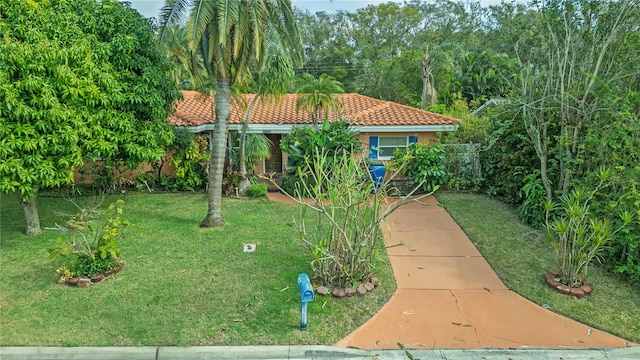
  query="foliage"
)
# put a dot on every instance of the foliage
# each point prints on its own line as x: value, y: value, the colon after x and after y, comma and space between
x: 344, y: 236
x: 270, y: 84
x: 257, y: 148
x: 576, y: 235
x: 463, y: 168
x: 318, y: 95
x: 425, y: 164
x: 190, y: 164
x: 565, y: 81
x: 532, y: 197
x: 472, y: 128
x: 508, y: 157
x: 80, y: 79
x: 93, y: 246
x: 302, y: 142
x: 292, y: 183
x: 257, y: 190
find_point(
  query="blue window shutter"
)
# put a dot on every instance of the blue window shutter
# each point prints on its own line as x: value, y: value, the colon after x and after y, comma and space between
x: 373, y: 147
x: 413, y: 139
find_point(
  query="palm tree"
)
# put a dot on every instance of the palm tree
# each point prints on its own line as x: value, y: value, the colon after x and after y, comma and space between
x: 270, y: 85
x: 230, y: 37
x: 318, y: 94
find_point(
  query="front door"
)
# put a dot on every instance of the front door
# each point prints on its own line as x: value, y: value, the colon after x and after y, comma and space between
x: 274, y: 163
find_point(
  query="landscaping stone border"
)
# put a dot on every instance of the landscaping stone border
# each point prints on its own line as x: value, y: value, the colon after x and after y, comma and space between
x: 578, y: 292
x: 85, y: 282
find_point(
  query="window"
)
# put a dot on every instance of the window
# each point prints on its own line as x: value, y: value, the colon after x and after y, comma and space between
x: 382, y: 147
x: 388, y: 144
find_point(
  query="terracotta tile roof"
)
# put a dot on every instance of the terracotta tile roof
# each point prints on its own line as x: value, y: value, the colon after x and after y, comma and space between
x: 358, y: 110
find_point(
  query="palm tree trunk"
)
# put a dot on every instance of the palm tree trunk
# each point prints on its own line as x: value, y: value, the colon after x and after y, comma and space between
x: 243, y: 183
x: 31, y: 218
x: 218, y: 154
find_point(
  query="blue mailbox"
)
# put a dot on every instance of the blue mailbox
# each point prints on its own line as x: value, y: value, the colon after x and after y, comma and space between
x: 305, y: 289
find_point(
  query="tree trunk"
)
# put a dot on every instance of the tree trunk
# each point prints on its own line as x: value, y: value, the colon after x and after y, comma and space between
x: 31, y: 218
x: 243, y: 183
x: 218, y: 154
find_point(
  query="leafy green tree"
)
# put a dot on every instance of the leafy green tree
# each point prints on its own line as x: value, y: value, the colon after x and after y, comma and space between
x: 231, y: 38
x: 78, y: 79
x: 317, y: 95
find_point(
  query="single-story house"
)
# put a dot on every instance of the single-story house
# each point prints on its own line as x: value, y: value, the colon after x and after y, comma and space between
x: 383, y: 125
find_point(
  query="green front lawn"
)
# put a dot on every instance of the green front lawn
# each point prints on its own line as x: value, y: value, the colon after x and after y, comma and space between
x: 181, y: 285
x: 521, y: 256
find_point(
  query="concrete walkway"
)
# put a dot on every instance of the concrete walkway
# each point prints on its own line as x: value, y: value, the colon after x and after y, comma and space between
x: 449, y: 297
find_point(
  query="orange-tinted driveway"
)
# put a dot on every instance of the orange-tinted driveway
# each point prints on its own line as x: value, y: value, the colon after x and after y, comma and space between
x: 449, y: 297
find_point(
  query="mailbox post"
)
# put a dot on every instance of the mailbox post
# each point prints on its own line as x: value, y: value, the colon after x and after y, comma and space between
x: 305, y: 289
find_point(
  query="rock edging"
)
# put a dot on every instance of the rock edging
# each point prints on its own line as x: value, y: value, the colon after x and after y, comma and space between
x: 552, y: 280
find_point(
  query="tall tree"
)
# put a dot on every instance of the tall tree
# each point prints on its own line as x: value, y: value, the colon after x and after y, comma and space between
x: 231, y: 38
x: 317, y: 95
x: 566, y: 81
x: 78, y: 79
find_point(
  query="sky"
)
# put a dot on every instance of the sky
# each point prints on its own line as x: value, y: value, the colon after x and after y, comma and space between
x: 150, y: 8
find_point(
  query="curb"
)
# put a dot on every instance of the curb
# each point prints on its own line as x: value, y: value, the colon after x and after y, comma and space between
x: 301, y: 352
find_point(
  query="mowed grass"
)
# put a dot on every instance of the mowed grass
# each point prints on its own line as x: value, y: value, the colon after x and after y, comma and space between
x: 181, y: 285
x: 521, y: 256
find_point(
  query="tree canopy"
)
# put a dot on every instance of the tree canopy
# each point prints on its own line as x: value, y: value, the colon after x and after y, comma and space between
x: 79, y: 79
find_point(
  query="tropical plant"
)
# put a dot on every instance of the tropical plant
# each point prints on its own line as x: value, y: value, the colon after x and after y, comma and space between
x: 425, y: 164
x: 231, y: 38
x: 92, y: 247
x: 318, y: 95
x: 302, y: 142
x: 176, y: 49
x: 79, y: 79
x: 577, y: 236
x: 532, y: 193
x: 344, y: 233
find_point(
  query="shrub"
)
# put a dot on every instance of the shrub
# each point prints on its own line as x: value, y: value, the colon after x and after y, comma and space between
x: 577, y: 236
x: 92, y: 247
x: 333, y: 137
x: 533, y: 196
x: 424, y: 164
x: 257, y: 190
x: 344, y: 234
x: 509, y: 155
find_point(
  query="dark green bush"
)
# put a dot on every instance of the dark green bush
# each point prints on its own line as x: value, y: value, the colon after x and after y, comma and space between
x: 509, y: 156
x: 333, y: 137
x: 257, y: 190
x: 292, y: 182
x: 424, y: 164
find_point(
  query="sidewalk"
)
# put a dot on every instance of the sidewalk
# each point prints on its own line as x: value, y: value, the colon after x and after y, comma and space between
x: 449, y: 297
